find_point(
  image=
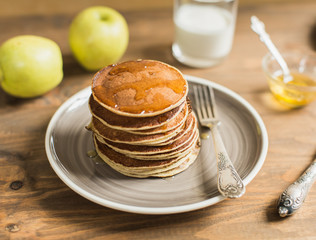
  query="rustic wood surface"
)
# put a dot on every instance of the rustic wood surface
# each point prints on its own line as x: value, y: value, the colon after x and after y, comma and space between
x: 36, y: 204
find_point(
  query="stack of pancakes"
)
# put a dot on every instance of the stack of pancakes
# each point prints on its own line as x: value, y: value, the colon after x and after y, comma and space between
x: 142, y: 122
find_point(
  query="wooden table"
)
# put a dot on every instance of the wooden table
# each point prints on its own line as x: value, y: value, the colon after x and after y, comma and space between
x: 36, y: 204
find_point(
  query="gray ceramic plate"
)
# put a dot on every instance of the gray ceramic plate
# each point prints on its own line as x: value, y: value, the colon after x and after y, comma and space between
x: 67, y: 143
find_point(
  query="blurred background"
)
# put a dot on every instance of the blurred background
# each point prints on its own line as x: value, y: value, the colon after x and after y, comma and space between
x: 50, y: 18
x: 42, y: 7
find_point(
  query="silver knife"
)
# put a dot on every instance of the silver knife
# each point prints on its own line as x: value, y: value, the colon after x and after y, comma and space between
x: 293, y: 197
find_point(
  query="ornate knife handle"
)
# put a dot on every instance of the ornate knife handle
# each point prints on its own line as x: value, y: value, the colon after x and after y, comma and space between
x: 293, y: 197
x: 229, y: 182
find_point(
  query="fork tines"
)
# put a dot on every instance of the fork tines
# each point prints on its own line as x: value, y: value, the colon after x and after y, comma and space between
x: 205, y: 102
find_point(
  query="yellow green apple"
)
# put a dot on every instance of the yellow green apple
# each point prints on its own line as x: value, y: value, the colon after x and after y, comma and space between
x: 30, y: 66
x: 98, y: 36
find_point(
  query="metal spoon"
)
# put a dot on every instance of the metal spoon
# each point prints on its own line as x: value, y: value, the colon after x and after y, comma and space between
x: 258, y: 27
x: 293, y: 197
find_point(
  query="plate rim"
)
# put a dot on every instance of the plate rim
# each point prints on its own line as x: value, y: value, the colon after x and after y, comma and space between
x: 156, y: 210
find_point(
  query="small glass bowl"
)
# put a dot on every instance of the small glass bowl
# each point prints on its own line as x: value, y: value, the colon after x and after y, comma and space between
x: 301, y: 90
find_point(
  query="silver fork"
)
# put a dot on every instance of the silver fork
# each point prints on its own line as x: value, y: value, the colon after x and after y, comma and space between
x: 229, y: 182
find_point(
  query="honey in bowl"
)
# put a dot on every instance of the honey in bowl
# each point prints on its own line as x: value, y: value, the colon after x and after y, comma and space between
x: 301, y: 90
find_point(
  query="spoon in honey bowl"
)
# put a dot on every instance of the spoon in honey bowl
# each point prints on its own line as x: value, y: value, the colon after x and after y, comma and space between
x: 258, y: 27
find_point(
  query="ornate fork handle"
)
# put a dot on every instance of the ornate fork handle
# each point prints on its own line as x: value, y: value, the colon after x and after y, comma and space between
x: 293, y: 197
x: 228, y: 181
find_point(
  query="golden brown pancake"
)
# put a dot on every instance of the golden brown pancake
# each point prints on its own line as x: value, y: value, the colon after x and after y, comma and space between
x: 115, y: 135
x: 181, y: 151
x: 143, y: 169
x: 125, y: 160
x: 133, y: 123
x: 139, y: 88
x: 181, y: 167
x: 173, y: 123
x: 184, y: 136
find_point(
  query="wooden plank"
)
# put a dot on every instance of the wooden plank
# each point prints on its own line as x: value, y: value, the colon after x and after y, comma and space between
x: 36, y: 204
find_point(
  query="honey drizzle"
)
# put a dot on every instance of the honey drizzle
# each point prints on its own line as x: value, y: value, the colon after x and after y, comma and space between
x: 140, y: 86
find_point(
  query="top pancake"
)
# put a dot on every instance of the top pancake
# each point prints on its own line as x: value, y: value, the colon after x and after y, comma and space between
x: 140, y: 88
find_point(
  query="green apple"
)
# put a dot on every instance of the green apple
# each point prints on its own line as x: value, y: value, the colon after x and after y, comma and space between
x: 98, y: 36
x: 30, y: 66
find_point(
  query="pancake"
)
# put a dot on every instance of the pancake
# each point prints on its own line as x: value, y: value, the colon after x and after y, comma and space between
x: 143, y: 169
x: 118, y: 158
x: 141, y: 88
x: 181, y: 151
x: 132, y: 123
x: 175, y: 122
x: 180, y: 168
x: 129, y: 149
x: 166, y: 171
x: 119, y: 136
